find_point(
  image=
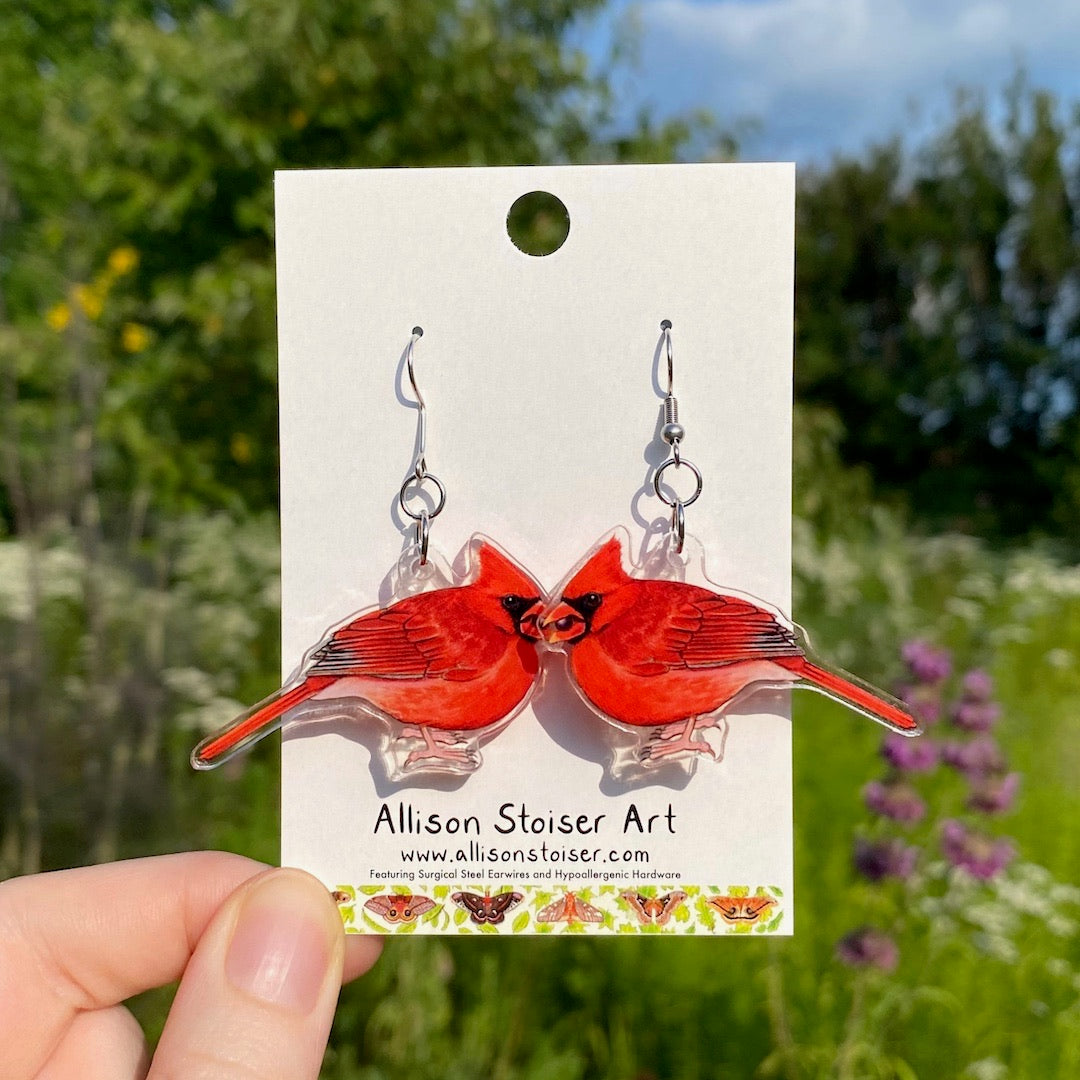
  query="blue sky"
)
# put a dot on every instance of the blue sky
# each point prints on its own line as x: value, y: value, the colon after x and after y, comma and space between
x: 819, y: 76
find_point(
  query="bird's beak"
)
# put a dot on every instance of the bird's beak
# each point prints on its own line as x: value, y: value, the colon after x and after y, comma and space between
x: 529, y: 623
x: 562, y: 624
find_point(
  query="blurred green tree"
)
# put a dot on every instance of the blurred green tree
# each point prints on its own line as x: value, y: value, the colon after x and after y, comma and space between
x: 158, y: 127
x: 938, y: 308
x: 138, y: 142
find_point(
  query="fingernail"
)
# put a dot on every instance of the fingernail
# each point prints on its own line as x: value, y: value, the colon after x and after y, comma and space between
x: 280, y: 949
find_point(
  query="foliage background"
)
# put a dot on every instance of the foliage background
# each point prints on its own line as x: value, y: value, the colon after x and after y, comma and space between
x: 938, y: 309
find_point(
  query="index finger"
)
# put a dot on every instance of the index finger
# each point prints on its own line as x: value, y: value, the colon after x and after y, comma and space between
x: 89, y: 938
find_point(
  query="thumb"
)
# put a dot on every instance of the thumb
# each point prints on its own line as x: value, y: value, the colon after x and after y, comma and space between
x: 258, y: 995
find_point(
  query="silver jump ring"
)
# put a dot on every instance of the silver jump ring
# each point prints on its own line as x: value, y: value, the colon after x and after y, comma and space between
x: 678, y: 524
x: 423, y: 535
x: 659, y: 475
x: 415, y: 482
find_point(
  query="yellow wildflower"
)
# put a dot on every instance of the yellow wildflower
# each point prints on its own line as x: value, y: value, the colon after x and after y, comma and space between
x: 123, y: 260
x: 89, y: 299
x: 58, y: 316
x: 298, y: 119
x: 240, y: 448
x: 133, y: 337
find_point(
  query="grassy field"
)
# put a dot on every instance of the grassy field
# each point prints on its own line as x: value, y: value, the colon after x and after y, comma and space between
x: 988, y: 981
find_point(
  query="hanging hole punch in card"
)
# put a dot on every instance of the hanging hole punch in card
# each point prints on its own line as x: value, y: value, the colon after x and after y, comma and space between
x: 539, y: 419
x: 538, y: 223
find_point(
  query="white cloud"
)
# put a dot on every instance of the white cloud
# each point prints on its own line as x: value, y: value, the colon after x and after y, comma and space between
x: 825, y: 73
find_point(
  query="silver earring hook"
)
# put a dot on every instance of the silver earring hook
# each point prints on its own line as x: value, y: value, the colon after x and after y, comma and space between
x: 420, y: 465
x: 414, y: 482
x: 665, y: 329
x: 673, y: 433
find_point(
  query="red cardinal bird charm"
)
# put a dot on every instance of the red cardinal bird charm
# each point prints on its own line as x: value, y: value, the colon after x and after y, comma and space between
x: 445, y: 667
x: 671, y: 656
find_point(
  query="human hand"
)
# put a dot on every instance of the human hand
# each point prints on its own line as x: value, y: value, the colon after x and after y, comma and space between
x: 261, y: 952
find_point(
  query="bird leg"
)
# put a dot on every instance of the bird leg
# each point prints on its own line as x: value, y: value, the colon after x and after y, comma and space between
x: 674, y: 740
x: 442, y: 738
x: 445, y: 749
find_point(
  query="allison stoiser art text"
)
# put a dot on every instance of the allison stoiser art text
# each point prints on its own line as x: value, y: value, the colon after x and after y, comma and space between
x: 402, y: 818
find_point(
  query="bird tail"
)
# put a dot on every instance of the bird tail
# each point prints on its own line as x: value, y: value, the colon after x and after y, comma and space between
x: 258, y: 722
x: 855, y: 694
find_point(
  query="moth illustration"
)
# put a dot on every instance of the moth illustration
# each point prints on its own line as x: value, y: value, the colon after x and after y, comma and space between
x: 399, y: 908
x: 654, y: 909
x: 569, y: 909
x: 340, y: 896
x: 745, y: 910
x: 486, y: 908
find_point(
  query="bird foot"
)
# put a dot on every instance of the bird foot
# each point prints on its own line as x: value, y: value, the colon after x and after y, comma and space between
x: 675, y: 731
x: 459, y: 755
x: 431, y: 735
x: 678, y: 743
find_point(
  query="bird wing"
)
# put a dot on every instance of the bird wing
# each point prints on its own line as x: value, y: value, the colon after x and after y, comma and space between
x: 432, y: 635
x: 673, y: 625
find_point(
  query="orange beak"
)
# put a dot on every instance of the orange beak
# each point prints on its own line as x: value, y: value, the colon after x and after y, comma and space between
x: 529, y: 623
x: 562, y: 624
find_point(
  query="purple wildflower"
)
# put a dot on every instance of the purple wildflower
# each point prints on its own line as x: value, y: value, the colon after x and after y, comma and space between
x: 868, y: 947
x: 981, y: 856
x: 923, y: 701
x: 896, y: 800
x: 927, y: 664
x: 909, y: 755
x: 994, y: 794
x: 878, y: 859
x: 978, y: 686
x: 976, y: 758
x: 975, y: 715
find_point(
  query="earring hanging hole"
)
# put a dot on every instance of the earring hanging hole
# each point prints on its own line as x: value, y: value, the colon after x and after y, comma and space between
x: 538, y: 223
x: 418, y: 331
x: 665, y: 324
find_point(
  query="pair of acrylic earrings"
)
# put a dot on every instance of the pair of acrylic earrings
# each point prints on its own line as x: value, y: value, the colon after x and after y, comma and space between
x: 657, y: 651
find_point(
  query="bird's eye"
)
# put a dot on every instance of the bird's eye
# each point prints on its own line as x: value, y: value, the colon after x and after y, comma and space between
x: 591, y: 601
x: 512, y: 603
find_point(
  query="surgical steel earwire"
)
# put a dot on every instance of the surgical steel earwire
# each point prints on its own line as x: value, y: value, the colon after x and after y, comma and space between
x: 673, y: 433
x: 424, y: 517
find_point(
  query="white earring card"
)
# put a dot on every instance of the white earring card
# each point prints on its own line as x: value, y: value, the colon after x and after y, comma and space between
x: 543, y: 378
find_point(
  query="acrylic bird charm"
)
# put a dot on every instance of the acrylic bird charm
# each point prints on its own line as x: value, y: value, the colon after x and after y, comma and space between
x: 442, y: 667
x: 669, y: 656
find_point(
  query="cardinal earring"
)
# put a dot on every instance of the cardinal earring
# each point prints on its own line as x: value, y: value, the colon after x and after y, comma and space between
x: 428, y: 677
x: 662, y: 654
